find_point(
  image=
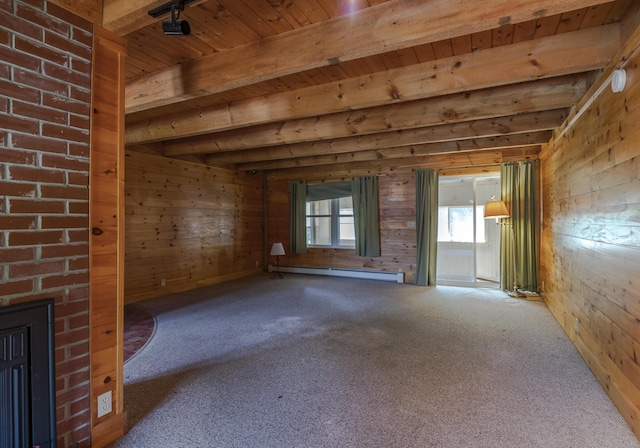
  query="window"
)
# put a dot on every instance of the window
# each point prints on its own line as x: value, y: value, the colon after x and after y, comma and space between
x: 455, y: 224
x: 330, y: 223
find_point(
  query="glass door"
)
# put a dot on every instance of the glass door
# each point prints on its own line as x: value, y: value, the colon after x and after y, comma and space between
x: 468, y: 246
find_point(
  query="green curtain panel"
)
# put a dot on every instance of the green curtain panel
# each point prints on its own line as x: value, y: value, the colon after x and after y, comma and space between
x: 298, y: 217
x: 426, y: 226
x: 364, y: 191
x: 518, y: 191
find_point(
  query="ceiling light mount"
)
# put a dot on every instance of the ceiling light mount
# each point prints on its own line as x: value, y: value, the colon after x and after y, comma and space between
x: 175, y: 26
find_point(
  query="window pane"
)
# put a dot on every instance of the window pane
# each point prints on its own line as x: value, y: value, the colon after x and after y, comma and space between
x: 347, y: 231
x: 319, y: 207
x: 480, y: 232
x: 461, y: 224
x: 346, y: 206
x: 443, y: 224
x: 319, y: 231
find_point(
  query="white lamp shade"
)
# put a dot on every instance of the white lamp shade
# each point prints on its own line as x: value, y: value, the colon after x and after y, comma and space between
x: 277, y: 249
x: 496, y: 209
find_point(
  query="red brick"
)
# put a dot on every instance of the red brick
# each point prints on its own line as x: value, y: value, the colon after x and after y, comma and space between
x: 54, y: 191
x: 73, y: 337
x: 79, y: 293
x: 17, y: 189
x: 72, y: 366
x: 82, y: 95
x: 13, y: 156
x: 65, y: 163
x: 23, y: 173
x: 77, y: 321
x: 78, y: 428
x: 65, y: 133
x: 11, y: 56
x: 79, y: 150
x: 41, y: 51
x: 67, y: 45
x: 80, y: 65
x: 75, y: 178
x: 40, y: 82
x: 19, y: 287
x: 74, y: 393
x: 80, y: 122
x: 33, y: 238
x: 82, y: 36
x: 44, y: 20
x: 65, y: 250
x: 39, y: 143
x: 72, y: 19
x: 13, y: 255
x: 79, y: 378
x: 67, y: 104
x: 65, y: 222
x: 69, y: 76
x: 4, y: 37
x: 59, y: 281
x: 36, y: 112
x: 32, y: 269
x: 79, y: 264
x: 4, y: 108
x: 35, y: 3
x: 80, y: 307
x: 36, y: 206
x: 80, y: 406
x: 79, y: 208
x: 17, y: 124
x: 78, y: 236
x: 12, y: 90
x: 20, y: 26
x: 11, y: 222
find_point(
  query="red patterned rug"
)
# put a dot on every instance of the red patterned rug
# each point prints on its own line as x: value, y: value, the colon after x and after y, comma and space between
x: 139, y: 327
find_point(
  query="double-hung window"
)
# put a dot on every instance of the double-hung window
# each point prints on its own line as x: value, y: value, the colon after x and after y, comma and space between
x: 330, y: 223
x: 329, y: 216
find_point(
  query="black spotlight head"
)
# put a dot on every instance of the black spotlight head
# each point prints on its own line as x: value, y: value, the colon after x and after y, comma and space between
x: 177, y: 27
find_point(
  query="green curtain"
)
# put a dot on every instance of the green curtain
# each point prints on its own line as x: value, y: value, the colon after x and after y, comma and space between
x: 518, y: 191
x: 426, y: 226
x: 298, y: 217
x: 364, y: 191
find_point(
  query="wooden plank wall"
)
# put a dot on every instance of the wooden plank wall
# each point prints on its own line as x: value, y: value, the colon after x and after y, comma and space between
x: 397, y: 207
x: 188, y: 224
x: 107, y: 233
x: 590, y: 252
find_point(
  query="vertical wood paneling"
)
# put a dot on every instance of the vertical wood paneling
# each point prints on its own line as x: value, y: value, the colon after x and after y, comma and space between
x: 590, y: 252
x: 107, y: 233
x: 189, y: 225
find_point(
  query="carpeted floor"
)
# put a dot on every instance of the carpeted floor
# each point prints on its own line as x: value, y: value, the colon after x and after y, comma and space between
x: 327, y: 362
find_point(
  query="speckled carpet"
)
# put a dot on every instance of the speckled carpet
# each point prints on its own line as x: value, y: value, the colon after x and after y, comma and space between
x: 328, y: 362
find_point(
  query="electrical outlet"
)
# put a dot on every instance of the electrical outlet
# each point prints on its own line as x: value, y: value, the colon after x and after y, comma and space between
x: 104, y: 404
x: 163, y: 282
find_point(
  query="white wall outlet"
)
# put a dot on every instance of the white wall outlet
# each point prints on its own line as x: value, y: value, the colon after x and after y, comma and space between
x: 104, y: 404
x: 163, y: 282
x: 411, y: 224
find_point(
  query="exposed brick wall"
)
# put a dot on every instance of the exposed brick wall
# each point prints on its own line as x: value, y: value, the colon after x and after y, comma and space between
x: 45, y: 96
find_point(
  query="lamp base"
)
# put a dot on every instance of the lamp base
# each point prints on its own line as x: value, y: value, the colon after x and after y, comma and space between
x: 517, y: 294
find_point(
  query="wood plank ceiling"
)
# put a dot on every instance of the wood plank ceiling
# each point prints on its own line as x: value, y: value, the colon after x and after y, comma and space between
x: 284, y: 84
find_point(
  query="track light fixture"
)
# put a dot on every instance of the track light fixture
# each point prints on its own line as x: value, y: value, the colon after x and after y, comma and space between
x: 175, y: 26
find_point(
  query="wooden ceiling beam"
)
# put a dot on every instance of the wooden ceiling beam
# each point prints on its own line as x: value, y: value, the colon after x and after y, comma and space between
x: 509, y: 141
x: 536, y: 96
x: 392, y: 25
x: 516, y: 124
x: 488, y: 158
x: 575, y: 52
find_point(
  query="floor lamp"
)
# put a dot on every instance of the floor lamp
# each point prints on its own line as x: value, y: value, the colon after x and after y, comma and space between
x: 277, y: 249
x: 498, y: 210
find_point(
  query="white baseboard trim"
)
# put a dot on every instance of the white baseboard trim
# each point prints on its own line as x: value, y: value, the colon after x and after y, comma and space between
x: 397, y: 277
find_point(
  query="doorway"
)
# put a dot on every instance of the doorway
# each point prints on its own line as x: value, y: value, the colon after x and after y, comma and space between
x: 468, y: 245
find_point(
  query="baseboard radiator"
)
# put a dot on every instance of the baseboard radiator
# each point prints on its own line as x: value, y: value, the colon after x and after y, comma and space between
x: 387, y: 276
